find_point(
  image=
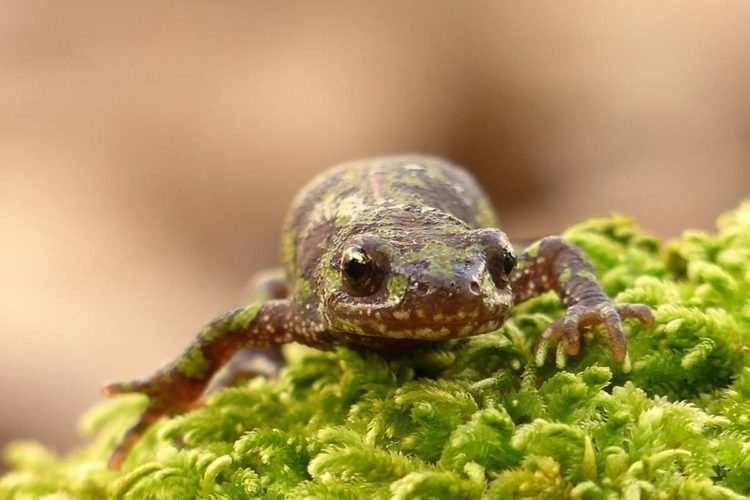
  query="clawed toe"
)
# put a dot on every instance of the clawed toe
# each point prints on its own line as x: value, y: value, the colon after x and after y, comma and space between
x: 641, y: 312
x: 168, y: 395
x: 133, y: 434
x: 126, y: 388
x: 563, y: 331
x: 567, y: 330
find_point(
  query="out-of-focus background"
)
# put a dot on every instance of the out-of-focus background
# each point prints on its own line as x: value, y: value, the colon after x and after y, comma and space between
x: 148, y: 151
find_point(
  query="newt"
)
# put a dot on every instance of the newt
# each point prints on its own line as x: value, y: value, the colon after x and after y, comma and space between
x: 389, y: 254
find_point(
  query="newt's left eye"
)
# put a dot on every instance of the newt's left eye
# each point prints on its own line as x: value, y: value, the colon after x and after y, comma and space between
x: 359, y: 271
x: 509, y: 262
x: 500, y: 264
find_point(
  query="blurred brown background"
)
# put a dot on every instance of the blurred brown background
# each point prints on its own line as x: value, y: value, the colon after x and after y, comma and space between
x: 148, y: 150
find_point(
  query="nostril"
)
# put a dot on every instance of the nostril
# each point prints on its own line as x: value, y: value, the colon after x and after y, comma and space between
x: 474, y: 287
x: 423, y: 289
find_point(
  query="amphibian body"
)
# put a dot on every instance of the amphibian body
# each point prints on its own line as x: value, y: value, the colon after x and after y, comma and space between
x: 388, y: 254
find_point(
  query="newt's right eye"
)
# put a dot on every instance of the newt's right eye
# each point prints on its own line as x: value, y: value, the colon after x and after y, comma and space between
x: 360, y: 272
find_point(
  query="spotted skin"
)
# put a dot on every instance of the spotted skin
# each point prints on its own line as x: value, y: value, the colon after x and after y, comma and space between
x: 387, y: 254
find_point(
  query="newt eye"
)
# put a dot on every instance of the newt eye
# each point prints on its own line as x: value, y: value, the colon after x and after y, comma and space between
x: 360, y: 274
x: 500, y: 264
x: 509, y: 262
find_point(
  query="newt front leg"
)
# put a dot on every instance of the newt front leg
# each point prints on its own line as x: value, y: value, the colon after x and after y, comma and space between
x: 554, y: 264
x: 179, y: 386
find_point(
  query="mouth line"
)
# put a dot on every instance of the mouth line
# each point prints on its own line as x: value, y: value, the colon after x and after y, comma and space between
x: 434, y: 330
x: 407, y: 324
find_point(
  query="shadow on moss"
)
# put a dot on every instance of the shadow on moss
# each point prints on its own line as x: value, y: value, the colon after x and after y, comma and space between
x: 472, y: 418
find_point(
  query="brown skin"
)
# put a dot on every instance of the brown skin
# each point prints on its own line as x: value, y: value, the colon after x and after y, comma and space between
x: 387, y: 254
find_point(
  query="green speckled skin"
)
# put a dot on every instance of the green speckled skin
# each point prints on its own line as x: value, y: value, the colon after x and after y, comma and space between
x: 431, y: 225
x: 439, y: 269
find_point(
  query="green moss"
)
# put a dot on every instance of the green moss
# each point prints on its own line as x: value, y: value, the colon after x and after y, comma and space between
x: 474, y: 417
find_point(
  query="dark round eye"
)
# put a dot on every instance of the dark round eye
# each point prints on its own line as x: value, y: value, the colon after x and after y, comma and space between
x: 509, y: 262
x: 500, y: 264
x: 359, y: 272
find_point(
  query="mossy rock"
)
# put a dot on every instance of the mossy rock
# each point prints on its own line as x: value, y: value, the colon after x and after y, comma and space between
x: 472, y: 418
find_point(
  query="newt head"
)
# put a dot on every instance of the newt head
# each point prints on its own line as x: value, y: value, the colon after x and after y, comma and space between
x: 419, y: 284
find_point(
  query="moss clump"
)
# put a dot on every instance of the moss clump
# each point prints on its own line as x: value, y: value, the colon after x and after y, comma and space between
x: 475, y: 417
